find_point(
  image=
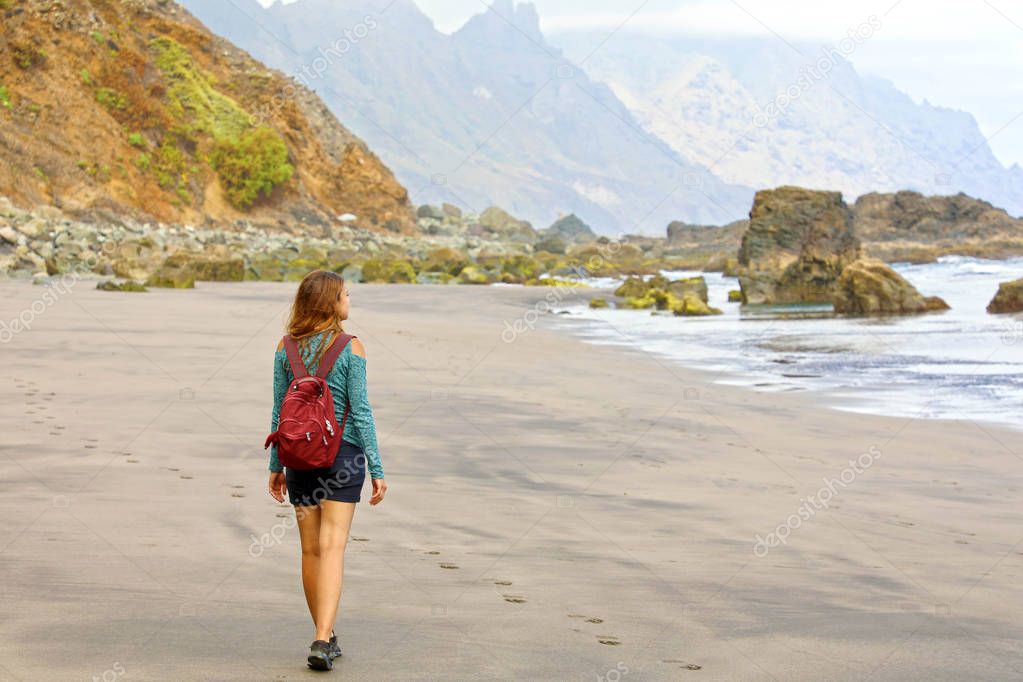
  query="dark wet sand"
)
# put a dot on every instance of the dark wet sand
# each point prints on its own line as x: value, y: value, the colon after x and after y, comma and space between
x: 558, y: 510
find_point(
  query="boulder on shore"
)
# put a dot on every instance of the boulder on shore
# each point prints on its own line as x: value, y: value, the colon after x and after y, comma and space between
x: 637, y: 287
x: 570, y: 229
x: 1009, y: 298
x: 796, y: 246
x: 499, y: 222
x: 869, y: 287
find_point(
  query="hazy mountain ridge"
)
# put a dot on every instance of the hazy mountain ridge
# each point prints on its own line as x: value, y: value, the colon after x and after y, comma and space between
x: 484, y: 116
x: 708, y: 98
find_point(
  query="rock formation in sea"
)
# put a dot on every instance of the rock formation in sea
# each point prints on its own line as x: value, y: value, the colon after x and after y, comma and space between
x: 796, y: 245
x: 1009, y: 298
x: 870, y: 287
x: 908, y: 226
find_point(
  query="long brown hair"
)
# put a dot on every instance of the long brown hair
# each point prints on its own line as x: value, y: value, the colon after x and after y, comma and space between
x: 315, y: 309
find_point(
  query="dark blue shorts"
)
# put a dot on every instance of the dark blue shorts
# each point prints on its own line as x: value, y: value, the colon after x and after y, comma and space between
x: 341, y: 482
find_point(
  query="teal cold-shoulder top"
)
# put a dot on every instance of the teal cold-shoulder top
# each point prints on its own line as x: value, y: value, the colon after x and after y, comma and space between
x: 347, y: 382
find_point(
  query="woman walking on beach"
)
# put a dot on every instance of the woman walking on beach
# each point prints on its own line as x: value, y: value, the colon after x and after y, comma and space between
x: 322, y: 473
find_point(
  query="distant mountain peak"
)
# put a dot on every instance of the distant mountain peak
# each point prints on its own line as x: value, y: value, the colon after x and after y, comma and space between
x: 504, y: 18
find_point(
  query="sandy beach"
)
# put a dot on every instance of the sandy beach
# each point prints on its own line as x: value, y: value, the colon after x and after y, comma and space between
x: 557, y: 510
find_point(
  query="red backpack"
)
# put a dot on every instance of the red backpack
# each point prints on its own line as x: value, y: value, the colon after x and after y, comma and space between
x: 308, y: 435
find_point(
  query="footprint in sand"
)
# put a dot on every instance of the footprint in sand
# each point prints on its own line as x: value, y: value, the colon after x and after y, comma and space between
x: 683, y: 665
x: 594, y: 620
x: 451, y: 566
x: 360, y: 539
x: 132, y: 461
x: 90, y: 446
x: 172, y: 469
x: 502, y: 582
x: 432, y: 552
x: 514, y: 598
x: 238, y: 486
x: 609, y: 640
x: 237, y: 495
x: 184, y: 476
x: 283, y: 515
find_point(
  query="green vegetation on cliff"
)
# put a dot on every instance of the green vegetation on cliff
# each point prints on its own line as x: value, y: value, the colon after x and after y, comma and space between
x: 249, y: 161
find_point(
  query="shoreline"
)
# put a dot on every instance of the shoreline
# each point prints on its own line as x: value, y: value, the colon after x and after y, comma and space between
x: 557, y: 509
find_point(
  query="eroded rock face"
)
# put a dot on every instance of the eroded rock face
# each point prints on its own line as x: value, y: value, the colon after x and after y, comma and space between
x: 869, y: 287
x: 796, y: 246
x: 910, y: 226
x: 1009, y: 298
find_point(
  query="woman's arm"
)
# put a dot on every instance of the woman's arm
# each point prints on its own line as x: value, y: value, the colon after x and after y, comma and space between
x: 280, y: 389
x: 360, y: 412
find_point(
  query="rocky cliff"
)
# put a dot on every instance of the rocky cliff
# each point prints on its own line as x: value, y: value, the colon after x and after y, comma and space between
x: 133, y: 108
x: 911, y: 226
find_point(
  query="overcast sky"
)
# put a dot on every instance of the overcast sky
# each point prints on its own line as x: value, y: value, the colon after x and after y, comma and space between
x: 964, y: 54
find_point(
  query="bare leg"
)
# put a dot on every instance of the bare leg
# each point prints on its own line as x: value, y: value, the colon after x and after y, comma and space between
x: 335, y: 522
x: 309, y: 532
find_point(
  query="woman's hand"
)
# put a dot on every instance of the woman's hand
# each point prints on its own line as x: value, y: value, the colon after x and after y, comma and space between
x: 277, y: 485
x: 379, y: 490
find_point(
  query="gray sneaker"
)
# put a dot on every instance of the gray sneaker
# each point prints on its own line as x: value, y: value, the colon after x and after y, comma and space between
x: 319, y: 656
x: 335, y: 650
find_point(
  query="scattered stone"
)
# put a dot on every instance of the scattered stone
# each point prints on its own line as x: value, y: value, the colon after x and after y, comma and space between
x: 598, y: 303
x: 128, y: 285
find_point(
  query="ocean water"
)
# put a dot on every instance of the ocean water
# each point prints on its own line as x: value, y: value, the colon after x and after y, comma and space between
x: 959, y: 364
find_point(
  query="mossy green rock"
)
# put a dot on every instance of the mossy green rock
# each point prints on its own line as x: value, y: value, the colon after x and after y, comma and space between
x: 266, y: 267
x: 598, y: 303
x: 205, y: 268
x: 391, y: 271
x: 444, y: 260
x: 473, y: 274
x: 167, y: 277
x: 687, y: 304
x: 696, y: 286
x: 519, y: 268
x: 735, y: 296
x: 692, y: 306
x: 632, y: 287
x: 127, y: 286
x: 435, y: 278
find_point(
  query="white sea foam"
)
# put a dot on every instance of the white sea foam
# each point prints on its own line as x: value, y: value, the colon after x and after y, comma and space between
x: 960, y: 364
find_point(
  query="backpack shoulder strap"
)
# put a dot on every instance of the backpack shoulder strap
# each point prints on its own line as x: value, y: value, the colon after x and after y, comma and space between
x: 294, y: 357
x: 331, y: 356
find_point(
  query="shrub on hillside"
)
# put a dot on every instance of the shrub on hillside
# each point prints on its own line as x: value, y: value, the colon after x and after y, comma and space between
x: 251, y: 164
